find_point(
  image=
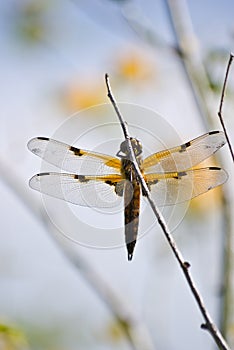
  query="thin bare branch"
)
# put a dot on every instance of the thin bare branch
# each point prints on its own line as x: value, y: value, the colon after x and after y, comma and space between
x: 220, y: 112
x: 209, y: 324
x: 188, y: 45
x: 227, y: 287
x: 141, y: 25
x: 225, y: 317
x: 190, y: 58
x: 111, y: 97
x: 133, y: 329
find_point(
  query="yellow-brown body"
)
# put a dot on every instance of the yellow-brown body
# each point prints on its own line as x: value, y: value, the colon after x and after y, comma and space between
x: 132, y: 193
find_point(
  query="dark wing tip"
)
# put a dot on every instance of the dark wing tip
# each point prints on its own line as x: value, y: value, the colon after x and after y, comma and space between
x: 214, y: 132
x: 31, y: 143
x: 33, y: 181
x: 214, y: 168
x: 43, y: 174
x: 42, y: 138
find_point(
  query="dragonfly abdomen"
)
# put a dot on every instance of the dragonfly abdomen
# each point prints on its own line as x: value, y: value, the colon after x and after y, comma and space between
x: 131, y: 214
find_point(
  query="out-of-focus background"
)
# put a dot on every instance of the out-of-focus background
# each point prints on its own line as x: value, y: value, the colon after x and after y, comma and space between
x: 163, y: 57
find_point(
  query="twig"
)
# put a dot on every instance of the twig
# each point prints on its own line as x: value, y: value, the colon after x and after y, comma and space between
x: 141, y: 25
x: 190, y: 58
x: 227, y: 250
x: 186, y: 48
x: 194, y: 69
x: 209, y: 324
x: 195, y: 72
x: 131, y: 325
x: 225, y: 318
x: 220, y: 112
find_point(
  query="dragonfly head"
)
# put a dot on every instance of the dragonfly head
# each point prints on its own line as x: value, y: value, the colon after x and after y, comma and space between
x: 136, y: 145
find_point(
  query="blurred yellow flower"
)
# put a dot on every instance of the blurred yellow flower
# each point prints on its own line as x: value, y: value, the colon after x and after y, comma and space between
x: 206, y: 202
x: 115, y: 332
x: 77, y: 97
x: 209, y: 201
x: 133, y: 65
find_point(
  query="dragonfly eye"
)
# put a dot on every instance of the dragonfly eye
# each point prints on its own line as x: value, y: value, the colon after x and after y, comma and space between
x: 136, y: 145
x: 123, y: 150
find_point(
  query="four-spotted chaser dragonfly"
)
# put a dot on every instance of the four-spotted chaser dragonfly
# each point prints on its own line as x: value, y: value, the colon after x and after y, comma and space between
x: 98, y: 179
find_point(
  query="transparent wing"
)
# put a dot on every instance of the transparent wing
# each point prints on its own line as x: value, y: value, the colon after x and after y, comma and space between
x: 185, y: 156
x: 89, y: 191
x: 73, y: 159
x: 178, y: 187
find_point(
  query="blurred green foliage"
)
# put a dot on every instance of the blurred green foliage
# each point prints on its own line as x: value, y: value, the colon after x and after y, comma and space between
x: 12, y: 338
x: 30, y: 21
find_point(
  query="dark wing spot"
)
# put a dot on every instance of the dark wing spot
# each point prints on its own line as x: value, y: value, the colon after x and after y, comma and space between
x: 184, y: 146
x: 81, y: 178
x: 179, y: 175
x: 111, y: 183
x: 76, y: 151
x: 182, y: 173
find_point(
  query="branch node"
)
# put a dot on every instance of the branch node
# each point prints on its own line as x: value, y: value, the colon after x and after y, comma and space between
x: 186, y: 265
x: 205, y: 326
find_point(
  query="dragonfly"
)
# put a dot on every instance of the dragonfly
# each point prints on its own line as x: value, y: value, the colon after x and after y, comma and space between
x: 101, y: 180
